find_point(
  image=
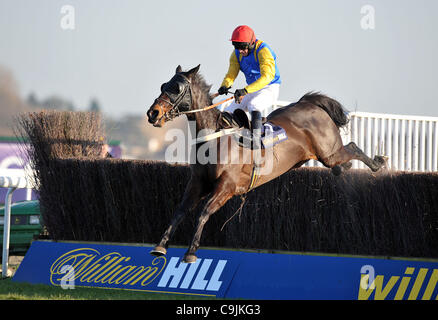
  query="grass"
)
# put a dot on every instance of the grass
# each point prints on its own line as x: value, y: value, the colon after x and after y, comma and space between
x: 10, y: 290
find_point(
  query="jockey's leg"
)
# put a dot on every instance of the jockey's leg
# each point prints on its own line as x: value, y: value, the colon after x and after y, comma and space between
x: 261, y: 102
x: 233, y: 106
x: 228, y: 116
x: 256, y: 128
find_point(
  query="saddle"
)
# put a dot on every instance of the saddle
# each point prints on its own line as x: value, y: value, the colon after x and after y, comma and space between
x: 270, y: 136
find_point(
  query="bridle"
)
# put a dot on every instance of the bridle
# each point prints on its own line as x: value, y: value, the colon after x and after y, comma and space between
x: 174, y: 112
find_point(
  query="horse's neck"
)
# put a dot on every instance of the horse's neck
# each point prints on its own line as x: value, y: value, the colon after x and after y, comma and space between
x: 204, y: 119
x: 207, y: 120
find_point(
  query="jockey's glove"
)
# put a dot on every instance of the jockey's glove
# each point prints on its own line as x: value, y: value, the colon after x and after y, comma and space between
x: 223, y: 90
x: 239, y: 93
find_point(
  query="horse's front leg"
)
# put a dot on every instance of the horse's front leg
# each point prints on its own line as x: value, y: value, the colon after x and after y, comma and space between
x: 220, y: 195
x: 191, y: 198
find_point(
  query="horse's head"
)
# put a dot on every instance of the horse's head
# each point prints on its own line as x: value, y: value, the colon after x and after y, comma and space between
x: 175, y: 97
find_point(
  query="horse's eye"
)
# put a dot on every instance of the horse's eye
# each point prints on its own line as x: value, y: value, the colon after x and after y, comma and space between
x: 174, y: 88
x: 180, y: 87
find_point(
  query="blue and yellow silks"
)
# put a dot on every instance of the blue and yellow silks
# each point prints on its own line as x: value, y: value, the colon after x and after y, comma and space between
x: 259, y: 67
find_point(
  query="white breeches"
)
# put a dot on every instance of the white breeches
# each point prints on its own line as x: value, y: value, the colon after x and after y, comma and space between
x: 261, y: 100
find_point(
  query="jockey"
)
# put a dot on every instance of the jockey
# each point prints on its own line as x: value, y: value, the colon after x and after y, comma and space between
x: 258, y: 63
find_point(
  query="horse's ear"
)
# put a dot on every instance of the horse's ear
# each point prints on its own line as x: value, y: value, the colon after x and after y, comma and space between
x: 194, y: 70
x: 178, y: 69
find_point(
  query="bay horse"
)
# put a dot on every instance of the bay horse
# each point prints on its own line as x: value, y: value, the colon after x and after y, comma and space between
x: 312, y: 126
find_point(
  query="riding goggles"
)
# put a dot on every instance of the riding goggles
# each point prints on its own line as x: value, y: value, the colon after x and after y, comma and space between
x: 240, y: 45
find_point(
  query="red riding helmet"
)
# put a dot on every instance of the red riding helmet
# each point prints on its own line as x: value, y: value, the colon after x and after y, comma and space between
x: 243, y: 37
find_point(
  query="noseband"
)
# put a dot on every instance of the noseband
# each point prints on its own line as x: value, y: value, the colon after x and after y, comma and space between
x: 184, y: 96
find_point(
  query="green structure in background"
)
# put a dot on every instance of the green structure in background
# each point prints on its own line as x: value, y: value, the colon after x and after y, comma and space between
x: 26, y: 225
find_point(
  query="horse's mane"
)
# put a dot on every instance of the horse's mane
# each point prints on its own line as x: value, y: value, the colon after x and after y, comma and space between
x: 202, y: 98
x: 201, y: 85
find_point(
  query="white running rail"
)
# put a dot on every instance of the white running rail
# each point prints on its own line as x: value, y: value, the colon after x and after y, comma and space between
x: 410, y: 142
x: 12, y: 183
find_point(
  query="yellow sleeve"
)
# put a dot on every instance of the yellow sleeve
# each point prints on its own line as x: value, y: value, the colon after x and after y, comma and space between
x: 267, y: 71
x: 233, y: 71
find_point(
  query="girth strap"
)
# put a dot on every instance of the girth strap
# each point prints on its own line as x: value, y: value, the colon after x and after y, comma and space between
x: 254, y: 177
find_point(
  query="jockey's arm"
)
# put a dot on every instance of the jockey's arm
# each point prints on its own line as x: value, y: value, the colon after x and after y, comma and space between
x: 233, y: 71
x: 267, y: 71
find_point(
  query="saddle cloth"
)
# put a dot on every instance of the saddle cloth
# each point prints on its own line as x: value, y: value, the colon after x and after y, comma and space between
x: 271, y: 135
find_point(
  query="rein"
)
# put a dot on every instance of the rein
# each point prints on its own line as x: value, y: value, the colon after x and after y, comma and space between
x: 208, y: 107
x: 175, y: 112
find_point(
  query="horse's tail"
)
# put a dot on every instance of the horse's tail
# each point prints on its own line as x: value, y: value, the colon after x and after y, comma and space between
x: 331, y: 106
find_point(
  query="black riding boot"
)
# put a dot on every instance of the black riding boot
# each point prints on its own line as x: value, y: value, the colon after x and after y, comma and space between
x: 256, y: 129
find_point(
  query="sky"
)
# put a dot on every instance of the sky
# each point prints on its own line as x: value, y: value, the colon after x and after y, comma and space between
x: 120, y: 52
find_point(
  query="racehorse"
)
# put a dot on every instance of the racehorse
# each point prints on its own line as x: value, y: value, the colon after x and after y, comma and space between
x: 312, y: 127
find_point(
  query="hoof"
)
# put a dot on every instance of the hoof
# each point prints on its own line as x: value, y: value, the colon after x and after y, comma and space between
x: 189, y: 258
x: 337, y: 170
x: 158, y: 251
x: 382, y: 160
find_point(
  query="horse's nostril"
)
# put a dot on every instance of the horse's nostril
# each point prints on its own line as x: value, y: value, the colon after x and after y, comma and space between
x: 153, y: 114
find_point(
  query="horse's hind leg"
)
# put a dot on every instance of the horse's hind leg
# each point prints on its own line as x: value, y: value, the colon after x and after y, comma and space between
x: 341, y: 160
x: 374, y: 164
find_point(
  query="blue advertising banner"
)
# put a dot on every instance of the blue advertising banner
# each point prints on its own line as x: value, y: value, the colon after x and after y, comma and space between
x: 231, y: 274
x: 321, y: 277
x: 125, y: 267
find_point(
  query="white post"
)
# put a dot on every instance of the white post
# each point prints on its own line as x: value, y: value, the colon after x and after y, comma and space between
x: 368, y: 141
x: 429, y: 146
x: 355, y: 139
x: 395, y: 139
x: 423, y: 146
x: 382, y: 137
x: 375, y: 146
x: 409, y: 147
x: 402, y: 157
x: 416, y: 166
x: 28, y: 194
x: 6, y: 232
x: 389, y: 143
